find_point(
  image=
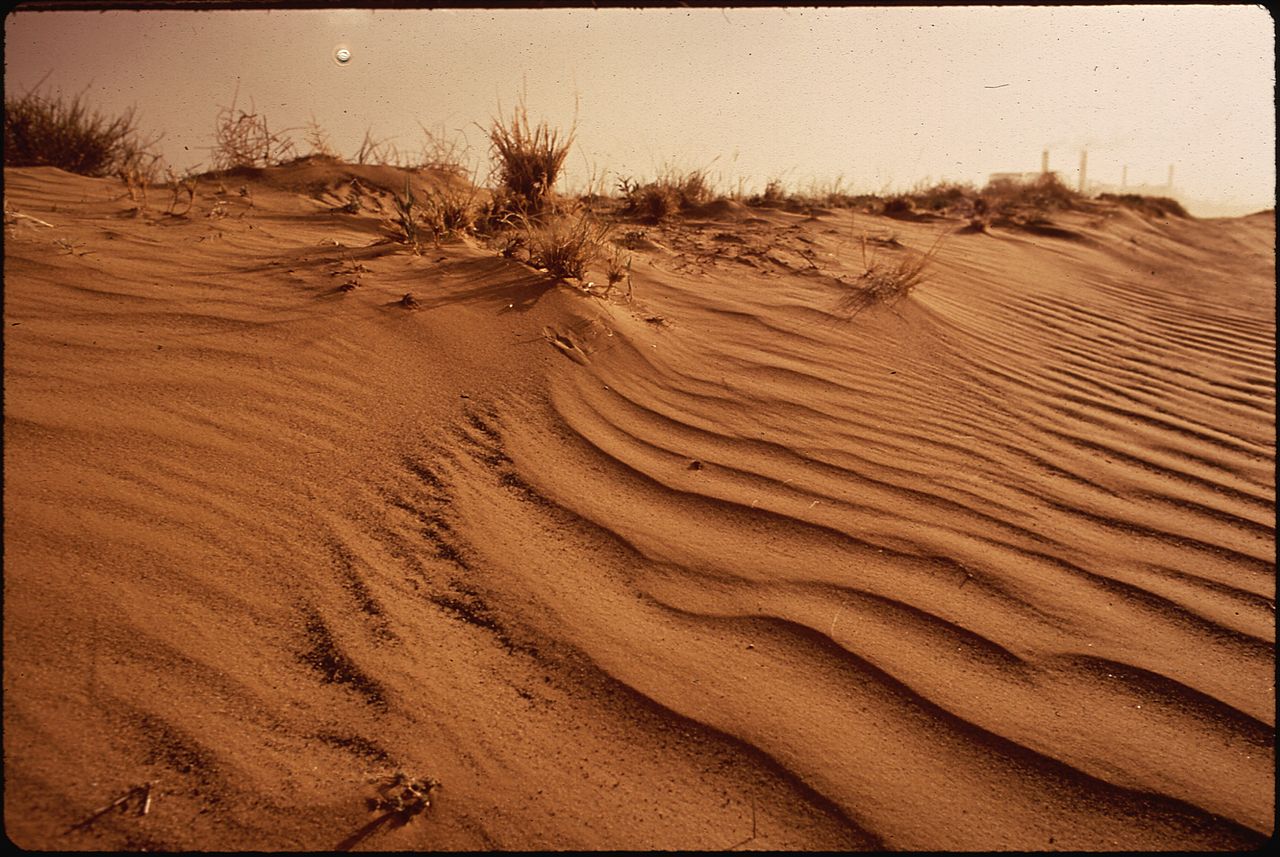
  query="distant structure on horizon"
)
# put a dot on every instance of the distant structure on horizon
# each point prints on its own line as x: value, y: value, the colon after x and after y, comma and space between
x: 1086, y: 187
x: 1027, y: 178
x: 1166, y: 189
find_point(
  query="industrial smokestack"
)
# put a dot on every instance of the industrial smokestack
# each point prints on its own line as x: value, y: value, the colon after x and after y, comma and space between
x: 1084, y: 163
x: 1124, y: 176
x: 1044, y: 162
x: 1170, y: 185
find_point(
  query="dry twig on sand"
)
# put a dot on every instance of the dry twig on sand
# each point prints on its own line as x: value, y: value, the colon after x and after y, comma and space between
x: 141, y: 791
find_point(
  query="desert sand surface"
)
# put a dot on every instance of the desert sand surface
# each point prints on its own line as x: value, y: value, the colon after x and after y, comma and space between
x: 718, y: 566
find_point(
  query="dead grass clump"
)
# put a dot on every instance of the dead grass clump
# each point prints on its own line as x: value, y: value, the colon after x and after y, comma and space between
x: 565, y: 245
x: 899, y: 206
x: 616, y: 270
x: 653, y: 201
x: 450, y: 211
x: 886, y: 282
x: 244, y: 140
x: 1153, y: 206
x: 443, y: 212
x: 692, y: 187
x: 528, y: 160
x: 41, y: 129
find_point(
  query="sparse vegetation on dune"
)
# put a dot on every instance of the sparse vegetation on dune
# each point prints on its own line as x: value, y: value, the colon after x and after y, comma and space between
x: 56, y: 130
x: 519, y: 210
x: 943, y: 196
x: 672, y: 192
x: 1155, y: 206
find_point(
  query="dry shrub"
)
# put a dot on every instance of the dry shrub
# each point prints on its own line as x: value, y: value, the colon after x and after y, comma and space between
x: 244, y: 140
x: 653, y: 201
x: 692, y: 187
x: 318, y: 140
x: 179, y: 185
x: 1047, y: 193
x: 774, y: 195
x: 41, y: 129
x: 443, y: 211
x: 375, y: 151
x: 527, y: 159
x: 444, y: 154
x: 943, y: 196
x: 898, y: 206
x: 887, y: 282
x: 666, y: 195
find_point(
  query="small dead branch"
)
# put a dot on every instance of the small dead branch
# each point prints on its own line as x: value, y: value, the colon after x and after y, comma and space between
x: 71, y: 249
x: 121, y: 803
x: 404, y: 796
x: 178, y: 186
x: 11, y: 216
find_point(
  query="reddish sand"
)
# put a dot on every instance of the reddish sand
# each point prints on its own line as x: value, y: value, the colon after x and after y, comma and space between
x: 992, y: 568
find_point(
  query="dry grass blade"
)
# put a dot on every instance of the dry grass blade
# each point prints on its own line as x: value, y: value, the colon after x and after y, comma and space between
x: 407, y: 216
x: 141, y: 791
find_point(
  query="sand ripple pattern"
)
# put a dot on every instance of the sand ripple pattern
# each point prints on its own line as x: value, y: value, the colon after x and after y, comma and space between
x: 994, y: 568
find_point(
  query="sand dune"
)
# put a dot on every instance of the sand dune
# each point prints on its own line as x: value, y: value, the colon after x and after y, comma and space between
x: 991, y: 568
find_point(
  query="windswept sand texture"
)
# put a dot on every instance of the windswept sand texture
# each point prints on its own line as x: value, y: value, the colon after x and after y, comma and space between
x: 992, y: 568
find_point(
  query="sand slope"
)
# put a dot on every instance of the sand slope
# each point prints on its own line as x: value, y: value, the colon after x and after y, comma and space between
x: 719, y: 566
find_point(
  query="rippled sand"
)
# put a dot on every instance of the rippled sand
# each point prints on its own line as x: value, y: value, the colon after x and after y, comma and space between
x: 992, y: 568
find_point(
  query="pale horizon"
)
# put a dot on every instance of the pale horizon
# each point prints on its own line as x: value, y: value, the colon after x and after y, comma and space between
x: 881, y: 98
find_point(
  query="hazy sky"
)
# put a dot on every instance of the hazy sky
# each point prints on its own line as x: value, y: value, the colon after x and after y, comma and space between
x: 884, y: 97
